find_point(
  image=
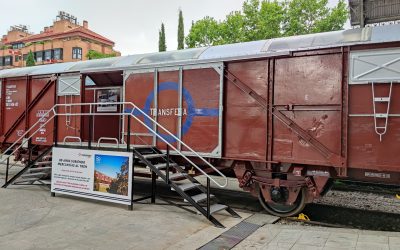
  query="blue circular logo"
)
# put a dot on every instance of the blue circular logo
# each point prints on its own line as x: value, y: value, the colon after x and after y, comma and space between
x: 190, y: 106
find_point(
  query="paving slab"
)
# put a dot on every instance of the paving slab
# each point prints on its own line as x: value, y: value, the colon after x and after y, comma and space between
x: 31, y: 219
x: 275, y: 236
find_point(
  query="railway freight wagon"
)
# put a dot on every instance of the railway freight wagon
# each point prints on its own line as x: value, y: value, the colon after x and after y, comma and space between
x: 286, y: 116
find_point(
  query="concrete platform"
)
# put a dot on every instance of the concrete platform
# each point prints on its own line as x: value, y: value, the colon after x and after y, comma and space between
x: 31, y: 219
x: 282, y: 237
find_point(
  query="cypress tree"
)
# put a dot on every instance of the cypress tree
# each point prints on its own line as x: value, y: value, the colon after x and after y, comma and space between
x: 181, y: 31
x: 30, y: 59
x: 161, y: 41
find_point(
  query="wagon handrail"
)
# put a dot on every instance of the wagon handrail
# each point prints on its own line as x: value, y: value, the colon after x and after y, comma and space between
x: 54, y: 109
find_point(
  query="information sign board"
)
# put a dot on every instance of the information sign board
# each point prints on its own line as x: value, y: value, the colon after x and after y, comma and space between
x: 94, y: 174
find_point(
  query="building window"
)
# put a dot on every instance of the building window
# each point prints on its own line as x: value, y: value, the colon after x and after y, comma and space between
x: 39, y: 56
x: 17, y: 58
x: 77, y: 53
x: 24, y: 56
x: 1, y: 61
x: 48, y: 55
x: 7, y: 60
x: 58, y: 54
x: 18, y: 46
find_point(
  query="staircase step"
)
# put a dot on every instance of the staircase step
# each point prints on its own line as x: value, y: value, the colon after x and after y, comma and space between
x: 142, y: 147
x: 177, y: 176
x: 39, y: 174
x: 26, y: 180
x: 216, y: 208
x: 152, y: 156
x: 47, y: 182
x: 201, y: 197
x: 164, y: 165
x: 188, y: 186
x: 40, y: 169
x: 41, y: 163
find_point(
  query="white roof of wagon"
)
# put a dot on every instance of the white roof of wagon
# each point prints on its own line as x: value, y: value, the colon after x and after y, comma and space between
x: 264, y: 48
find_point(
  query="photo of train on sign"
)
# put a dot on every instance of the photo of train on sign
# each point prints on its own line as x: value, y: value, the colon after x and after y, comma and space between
x: 287, y: 116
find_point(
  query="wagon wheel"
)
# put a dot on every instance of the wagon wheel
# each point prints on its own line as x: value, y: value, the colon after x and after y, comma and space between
x: 281, y: 209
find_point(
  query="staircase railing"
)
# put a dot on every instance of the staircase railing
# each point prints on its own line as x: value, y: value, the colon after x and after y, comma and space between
x: 53, y: 112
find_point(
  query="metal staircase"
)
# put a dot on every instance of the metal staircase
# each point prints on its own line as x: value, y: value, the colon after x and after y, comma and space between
x: 192, y: 191
x: 38, y: 168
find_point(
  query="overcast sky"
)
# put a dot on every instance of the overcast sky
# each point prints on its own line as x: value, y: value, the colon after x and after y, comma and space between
x: 132, y: 24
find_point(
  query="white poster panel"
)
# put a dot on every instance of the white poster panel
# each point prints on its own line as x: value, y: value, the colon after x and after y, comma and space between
x: 94, y: 174
x: 107, y: 96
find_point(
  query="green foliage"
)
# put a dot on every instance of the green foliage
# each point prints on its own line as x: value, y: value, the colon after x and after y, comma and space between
x: 39, y: 42
x: 162, y: 46
x: 30, y: 59
x: 312, y: 16
x: 232, y: 30
x: 119, y: 185
x: 205, y: 32
x: 181, y: 32
x: 5, y: 47
x: 92, y: 54
x: 265, y: 19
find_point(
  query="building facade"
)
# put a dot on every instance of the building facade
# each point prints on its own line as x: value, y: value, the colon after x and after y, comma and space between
x: 65, y: 41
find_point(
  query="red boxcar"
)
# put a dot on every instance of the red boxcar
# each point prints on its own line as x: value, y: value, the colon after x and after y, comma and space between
x: 288, y: 115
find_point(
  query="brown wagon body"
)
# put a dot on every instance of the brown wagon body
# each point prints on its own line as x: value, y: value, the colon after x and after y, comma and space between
x: 287, y: 115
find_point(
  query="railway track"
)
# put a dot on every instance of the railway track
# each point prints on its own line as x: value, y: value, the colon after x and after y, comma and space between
x: 320, y: 214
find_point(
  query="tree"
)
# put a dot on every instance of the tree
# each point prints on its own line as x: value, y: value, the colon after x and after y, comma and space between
x: 265, y: 19
x: 181, y: 32
x: 162, y: 46
x: 270, y: 20
x: 30, y: 59
x: 232, y: 29
x: 205, y: 32
x: 92, y: 54
x: 312, y: 16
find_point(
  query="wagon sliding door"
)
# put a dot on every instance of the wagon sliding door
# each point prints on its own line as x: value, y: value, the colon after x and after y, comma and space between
x: 308, y: 96
x: 187, y: 101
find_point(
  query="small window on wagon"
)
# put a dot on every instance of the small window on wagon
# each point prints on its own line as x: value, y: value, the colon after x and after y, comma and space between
x: 77, y: 53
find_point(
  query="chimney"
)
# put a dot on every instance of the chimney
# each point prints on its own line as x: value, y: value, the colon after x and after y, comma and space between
x: 85, y: 24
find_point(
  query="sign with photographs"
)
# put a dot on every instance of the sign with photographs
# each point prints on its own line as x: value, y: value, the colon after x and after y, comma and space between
x: 99, y: 175
x: 107, y: 96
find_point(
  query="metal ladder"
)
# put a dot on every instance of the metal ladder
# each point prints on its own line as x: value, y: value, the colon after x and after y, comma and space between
x: 381, y: 118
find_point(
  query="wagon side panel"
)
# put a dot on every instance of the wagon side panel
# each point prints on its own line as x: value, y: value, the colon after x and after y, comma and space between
x: 166, y: 106
x: 307, y: 93
x: 138, y: 86
x: 245, y: 121
x: 15, y: 104
x: 372, y: 73
x: 201, y: 110
x: 37, y: 114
